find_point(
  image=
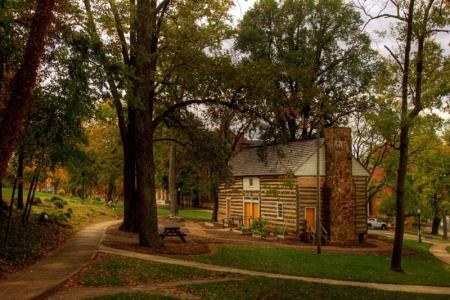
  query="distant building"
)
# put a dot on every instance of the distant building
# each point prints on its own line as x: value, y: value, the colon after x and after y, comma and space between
x: 281, y: 188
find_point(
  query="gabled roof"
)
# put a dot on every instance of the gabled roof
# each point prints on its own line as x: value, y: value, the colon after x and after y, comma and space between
x: 277, y: 159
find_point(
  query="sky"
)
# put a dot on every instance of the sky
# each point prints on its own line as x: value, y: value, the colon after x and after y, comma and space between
x: 373, y: 6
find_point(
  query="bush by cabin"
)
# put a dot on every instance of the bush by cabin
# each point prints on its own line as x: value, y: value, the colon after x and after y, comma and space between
x: 278, y: 184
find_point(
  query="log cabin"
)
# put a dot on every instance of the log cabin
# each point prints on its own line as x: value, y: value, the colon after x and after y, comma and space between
x: 277, y: 183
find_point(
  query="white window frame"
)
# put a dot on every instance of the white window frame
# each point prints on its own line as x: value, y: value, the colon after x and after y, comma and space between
x: 278, y: 210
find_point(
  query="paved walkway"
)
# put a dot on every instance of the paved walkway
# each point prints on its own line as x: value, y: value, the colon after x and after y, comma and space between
x: 379, y: 286
x: 53, y: 270
x: 438, y: 247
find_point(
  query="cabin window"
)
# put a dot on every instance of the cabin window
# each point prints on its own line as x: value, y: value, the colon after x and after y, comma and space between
x: 251, y: 184
x: 280, y: 210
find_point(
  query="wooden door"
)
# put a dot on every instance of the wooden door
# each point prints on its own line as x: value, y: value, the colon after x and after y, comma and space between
x: 310, y: 216
x: 247, y: 212
x: 255, y: 210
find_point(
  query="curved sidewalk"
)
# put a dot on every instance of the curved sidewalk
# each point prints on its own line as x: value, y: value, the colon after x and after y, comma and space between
x: 379, y: 286
x: 438, y: 248
x: 55, y: 269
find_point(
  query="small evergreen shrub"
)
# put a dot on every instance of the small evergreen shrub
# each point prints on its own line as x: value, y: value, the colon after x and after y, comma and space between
x: 58, y: 204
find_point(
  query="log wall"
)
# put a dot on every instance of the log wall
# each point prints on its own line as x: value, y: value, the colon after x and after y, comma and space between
x: 287, y: 195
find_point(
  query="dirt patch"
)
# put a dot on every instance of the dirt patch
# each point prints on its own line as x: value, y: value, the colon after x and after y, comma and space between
x: 202, y: 239
x: 169, y: 248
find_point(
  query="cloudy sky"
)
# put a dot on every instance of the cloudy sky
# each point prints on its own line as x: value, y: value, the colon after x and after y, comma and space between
x: 373, y: 6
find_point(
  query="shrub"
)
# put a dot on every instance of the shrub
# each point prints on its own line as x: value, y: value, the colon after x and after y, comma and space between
x: 61, y: 217
x: 282, y: 230
x: 37, y: 200
x: 263, y: 232
x: 56, y: 198
x: 256, y: 224
x: 44, y: 218
x: 58, y: 204
x: 69, y: 213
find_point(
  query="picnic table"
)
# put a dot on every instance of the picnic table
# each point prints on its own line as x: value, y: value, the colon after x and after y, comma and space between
x: 173, y: 230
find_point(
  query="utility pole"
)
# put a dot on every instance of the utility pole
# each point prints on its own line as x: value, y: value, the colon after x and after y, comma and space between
x: 318, y: 223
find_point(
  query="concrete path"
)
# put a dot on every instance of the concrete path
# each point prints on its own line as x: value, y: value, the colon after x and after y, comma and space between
x: 438, y: 247
x: 51, y: 271
x: 379, y: 286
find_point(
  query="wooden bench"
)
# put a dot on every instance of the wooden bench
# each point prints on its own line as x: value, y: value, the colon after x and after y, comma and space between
x: 173, y: 231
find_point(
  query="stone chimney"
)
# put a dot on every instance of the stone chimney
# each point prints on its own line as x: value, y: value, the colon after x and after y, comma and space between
x: 338, y: 166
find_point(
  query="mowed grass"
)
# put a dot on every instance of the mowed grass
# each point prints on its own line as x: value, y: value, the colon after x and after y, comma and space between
x: 422, y: 268
x: 269, y: 288
x: 197, y: 214
x: 133, y: 296
x: 112, y: 270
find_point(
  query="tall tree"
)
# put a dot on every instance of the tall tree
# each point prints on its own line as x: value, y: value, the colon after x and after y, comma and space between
x: 308, y: 50
x: 420, y: 20
x: 23, y: 82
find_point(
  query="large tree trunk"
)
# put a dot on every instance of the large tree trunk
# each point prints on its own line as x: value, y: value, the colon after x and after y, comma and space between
x: 445, y: 229
x: 21, y: 100
x: 172, y: 179
x: 147, y: 210
x: 146, y: 50
x: 396, y: 260
x: 20, y: 180
x: 435, y: 225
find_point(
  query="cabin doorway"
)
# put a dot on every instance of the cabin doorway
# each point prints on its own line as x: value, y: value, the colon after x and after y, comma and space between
x: 310, y: 216
x: 251, y: 209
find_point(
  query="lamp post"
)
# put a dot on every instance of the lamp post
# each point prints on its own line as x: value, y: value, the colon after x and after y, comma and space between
x: 420, y: 233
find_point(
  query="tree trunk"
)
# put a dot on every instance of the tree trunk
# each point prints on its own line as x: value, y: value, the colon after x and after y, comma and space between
x: 146, y: 56
x: 147, y: 210
x: 109, y: 195
x: 20, y: 180
x: 213, y: 196
x: 172, y: 179
x: 445, y: 229
x: 396, y: 260
x: 435, y: 225
x: 21, y: 100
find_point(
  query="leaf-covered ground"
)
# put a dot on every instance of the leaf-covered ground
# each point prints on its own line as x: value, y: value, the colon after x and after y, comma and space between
x: 111, y: 270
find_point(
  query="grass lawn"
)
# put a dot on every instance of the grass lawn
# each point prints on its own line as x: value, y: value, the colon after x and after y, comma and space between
x: 269, y: 288
x: 117, y: 271
x: 133, y: 296
x: 198, y: 214
x: 27, y: 244
x: 422, y: 268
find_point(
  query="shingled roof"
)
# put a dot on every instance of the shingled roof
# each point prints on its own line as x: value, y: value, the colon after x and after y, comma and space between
x: 277, y: 159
